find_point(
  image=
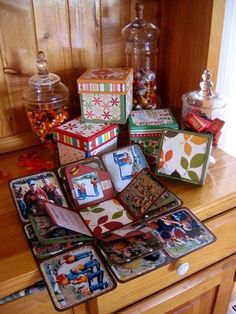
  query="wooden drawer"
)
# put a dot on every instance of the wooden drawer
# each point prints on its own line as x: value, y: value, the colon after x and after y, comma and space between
x: 208, y: 291
x: 223, y: 226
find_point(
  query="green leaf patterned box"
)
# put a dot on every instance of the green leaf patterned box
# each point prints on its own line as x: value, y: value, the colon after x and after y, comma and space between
x: 145, y: 129
x: 106, y: 95
x: 184, y: 155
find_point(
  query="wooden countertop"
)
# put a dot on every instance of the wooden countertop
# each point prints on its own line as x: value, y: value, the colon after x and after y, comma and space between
x: 18, y: 267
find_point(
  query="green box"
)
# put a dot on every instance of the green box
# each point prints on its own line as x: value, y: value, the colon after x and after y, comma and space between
x: 145, y: 129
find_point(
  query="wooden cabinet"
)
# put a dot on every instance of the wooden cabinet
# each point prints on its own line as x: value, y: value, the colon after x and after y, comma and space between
x: 79, y: 34
x: 76, y: 35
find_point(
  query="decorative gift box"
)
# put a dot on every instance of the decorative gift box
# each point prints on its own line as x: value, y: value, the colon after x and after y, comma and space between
x: 77, y: 140
x: 106, y: 94
x: 184, y: 155
x: 145, y: 129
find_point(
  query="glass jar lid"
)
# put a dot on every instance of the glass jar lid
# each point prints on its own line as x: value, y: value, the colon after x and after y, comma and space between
x: 140, y: 29
x: 43, y: 78
x: 205, y: 97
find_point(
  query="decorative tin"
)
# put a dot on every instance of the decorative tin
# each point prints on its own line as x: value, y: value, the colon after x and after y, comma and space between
x: 106, y: 94
x: 145, y: 127
x: 78, y: 140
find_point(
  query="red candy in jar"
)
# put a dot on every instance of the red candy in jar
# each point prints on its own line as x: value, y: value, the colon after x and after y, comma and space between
x: 47, y: 102
x: 204, y: 110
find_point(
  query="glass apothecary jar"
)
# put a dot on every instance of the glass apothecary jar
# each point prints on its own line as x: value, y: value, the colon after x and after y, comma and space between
x: 204, y: 110
x: 46, y: 101
x: 141, y: 40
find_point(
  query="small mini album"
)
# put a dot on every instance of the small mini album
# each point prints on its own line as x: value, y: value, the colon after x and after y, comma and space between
x: 28, y: 193
x: 132, y: 242
x: 141, y: 193
x: 181, y: 232
x: 139, y: 266
x: 88, y: 186
x: 184, y: 155
x: 42, y: 251
x: 123, y: 164
x: 76, y: 276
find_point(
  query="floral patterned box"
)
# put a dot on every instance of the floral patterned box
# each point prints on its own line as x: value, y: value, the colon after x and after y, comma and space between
x: 77, y: 139
x: 145, y: 129
x: 106, y: 95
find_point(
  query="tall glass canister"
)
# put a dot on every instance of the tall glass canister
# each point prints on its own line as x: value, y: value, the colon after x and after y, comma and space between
x: 46, y: 100
x: 141, y: 41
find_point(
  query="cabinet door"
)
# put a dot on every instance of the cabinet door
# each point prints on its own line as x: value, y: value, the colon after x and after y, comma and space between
x: 208, y: 291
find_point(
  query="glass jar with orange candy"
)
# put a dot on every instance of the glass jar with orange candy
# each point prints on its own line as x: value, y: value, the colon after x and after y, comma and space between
x: 46, y: 100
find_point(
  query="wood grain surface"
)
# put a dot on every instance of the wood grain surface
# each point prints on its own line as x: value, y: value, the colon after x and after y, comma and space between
x: 76, y: 35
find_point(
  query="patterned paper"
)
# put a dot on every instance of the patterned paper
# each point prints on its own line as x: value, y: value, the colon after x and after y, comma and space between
x: 184, y: 155
x: 105, y: 80
x: 106, y: 107
x: 68, y: 154
x: 105, y: 216
x: 150, y: 144
x: 152, y: 119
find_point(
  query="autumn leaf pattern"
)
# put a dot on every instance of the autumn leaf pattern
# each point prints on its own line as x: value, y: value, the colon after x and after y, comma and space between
x: 186, y: 153
x: 106, y: 216
x: 164, y: 157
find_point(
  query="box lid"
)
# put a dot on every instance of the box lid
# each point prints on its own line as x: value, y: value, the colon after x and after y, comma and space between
x: 105, y: 80
x: 83, y: 135
x: 145, y: 121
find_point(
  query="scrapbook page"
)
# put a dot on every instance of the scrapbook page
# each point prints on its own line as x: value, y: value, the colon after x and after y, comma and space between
x: 123, y: 164
x: 29, y: 191
x: 181, y: 232
x: 76, y: 276
x: 42, y: 251
x: 87, y: 185
x: 141, y: 193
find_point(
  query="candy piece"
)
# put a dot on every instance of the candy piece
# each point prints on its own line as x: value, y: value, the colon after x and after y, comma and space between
x: 215, y: 126
x: 197, y: 123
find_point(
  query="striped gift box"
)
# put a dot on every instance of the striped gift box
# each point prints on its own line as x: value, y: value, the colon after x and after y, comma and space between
x: 84, y: 136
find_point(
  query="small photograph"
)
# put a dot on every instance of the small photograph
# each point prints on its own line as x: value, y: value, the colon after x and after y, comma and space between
x: 42, y: 251
x: 141, y: 193
x: 123, y: 164
x: 165, y: 203
x: 28, y: 193
x: 47, y: 232
x: 75, y: 277
x: 87, y: 188
x: 140, y: 266
x: 127, y: 249
x: 181, y: 232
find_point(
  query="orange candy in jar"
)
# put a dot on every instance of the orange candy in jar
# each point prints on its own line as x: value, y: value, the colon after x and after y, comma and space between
x: 47, y: 101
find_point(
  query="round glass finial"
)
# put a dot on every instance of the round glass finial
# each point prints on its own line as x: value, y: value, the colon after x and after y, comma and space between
x: 206, y: 84
x: 42, y: 64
